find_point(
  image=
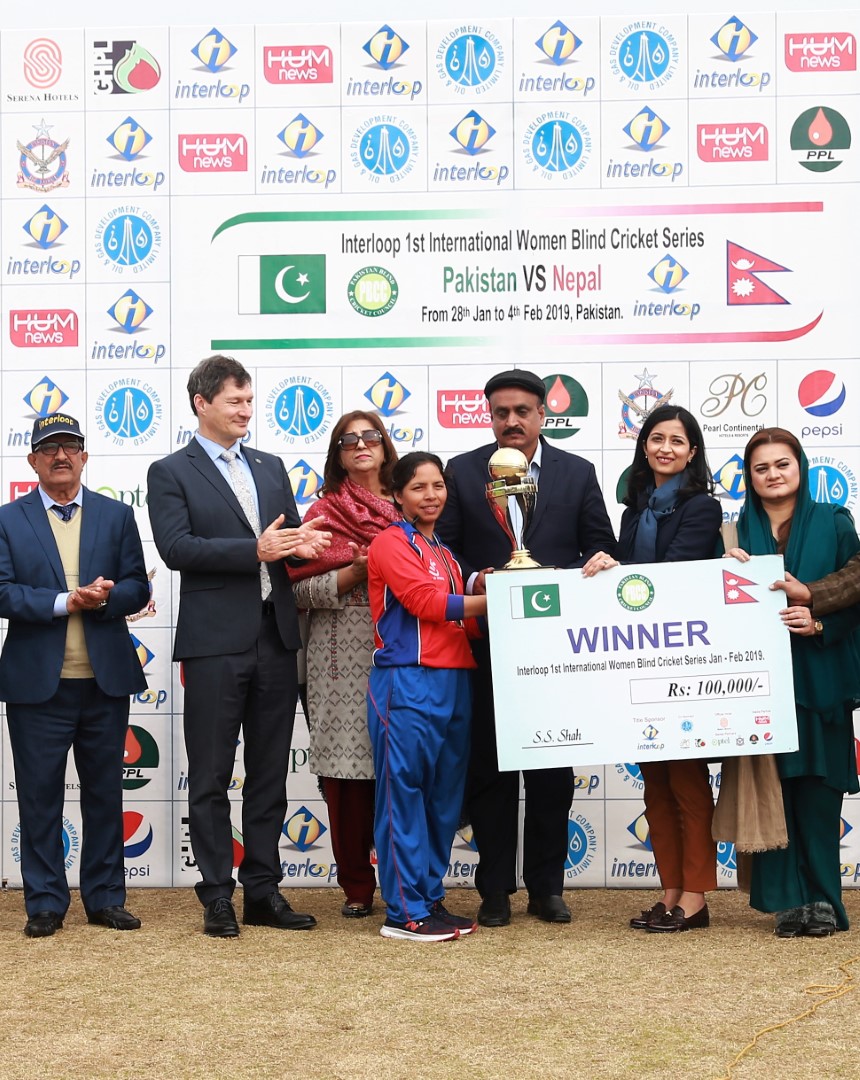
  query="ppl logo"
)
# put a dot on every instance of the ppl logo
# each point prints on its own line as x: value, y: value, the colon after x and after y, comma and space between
x: 305, y: 481
x: 129, y: 139
x: 472, y: 133
x: 638, y: 829
x: 43, y: 63
x: 559, y: 43
x: 45, y: 227
x: 462, y: 409
x: 821, y: 52
x: 732, y: 142
x: 213, y: 152
x: 214, y: 50
x: 566, y: 406
x: 821, y: 393
x: 19, y: 488
x: 303, y: 829
x: 292, y: 64
x: 386, y: 47
x: 123, y: 67
x: 387, y: 394
x: 45, y: 398
x: 129, y: 312
x: 300, y: 136
x: 137, y: 834
x: 140, y: 758
x: 43, y: 328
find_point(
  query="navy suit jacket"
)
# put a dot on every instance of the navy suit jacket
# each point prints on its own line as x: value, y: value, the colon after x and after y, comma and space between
x: 200, y: 530
x: 31, y: 575
x: 569, y: 525
x: 690, y: 532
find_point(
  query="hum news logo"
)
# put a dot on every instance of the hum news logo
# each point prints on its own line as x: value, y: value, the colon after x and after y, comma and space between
x: 457, y: 409
x: 732, y: 142
x: 819, y: 52
x: 288, y: 65
x: 211, y: 152
x: 43, y: 328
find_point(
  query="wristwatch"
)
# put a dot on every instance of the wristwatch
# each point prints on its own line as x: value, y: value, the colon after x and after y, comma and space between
x: 818, y: 626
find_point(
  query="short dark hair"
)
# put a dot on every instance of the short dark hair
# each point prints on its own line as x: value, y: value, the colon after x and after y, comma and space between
x: 408, y: 466
x: 210, y: 375
x: 334, y: 473
x: 698, y: 477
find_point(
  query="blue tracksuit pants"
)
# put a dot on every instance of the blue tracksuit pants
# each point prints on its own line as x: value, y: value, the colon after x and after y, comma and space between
x: 419, y: 730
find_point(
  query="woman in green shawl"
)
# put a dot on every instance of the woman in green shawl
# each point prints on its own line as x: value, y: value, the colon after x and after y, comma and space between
x: 802, y: 883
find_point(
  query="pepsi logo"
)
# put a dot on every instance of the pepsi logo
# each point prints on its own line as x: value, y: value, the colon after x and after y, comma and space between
x: 136, y: 834
x: 821, y: 393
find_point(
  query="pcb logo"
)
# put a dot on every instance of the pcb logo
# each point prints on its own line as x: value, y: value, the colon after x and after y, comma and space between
x: 372, y: 291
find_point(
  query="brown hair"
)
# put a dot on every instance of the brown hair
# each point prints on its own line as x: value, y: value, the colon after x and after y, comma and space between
x: 765, y: 437
x: 334, y: 473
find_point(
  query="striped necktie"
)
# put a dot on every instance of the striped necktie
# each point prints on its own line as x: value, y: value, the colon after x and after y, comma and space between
x: 243, y: 493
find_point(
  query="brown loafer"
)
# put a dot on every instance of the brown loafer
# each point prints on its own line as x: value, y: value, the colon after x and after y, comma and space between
x: 652, y: 915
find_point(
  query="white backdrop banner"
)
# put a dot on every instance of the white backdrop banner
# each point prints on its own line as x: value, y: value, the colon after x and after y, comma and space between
x: 382, y: 215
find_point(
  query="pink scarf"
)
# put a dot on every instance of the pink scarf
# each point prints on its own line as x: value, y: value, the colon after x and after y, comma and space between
x: 353, y: 514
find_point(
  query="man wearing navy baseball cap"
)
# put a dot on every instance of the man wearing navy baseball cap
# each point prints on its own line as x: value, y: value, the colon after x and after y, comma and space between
x: 67, y: 669
x: 570, y: 523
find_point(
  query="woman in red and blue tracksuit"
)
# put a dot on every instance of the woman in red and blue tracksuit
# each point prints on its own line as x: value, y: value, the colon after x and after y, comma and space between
x: 419, y: 704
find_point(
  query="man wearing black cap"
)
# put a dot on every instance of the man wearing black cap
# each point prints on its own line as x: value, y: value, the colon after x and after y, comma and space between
x: 570, y: 523
x: 67, y: 669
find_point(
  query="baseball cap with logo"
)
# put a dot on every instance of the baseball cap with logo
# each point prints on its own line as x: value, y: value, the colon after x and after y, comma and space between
x: 50, y: 427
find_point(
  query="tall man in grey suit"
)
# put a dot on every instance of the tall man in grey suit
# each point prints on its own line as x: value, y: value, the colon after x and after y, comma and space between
x: 224, y: 516
x: 570, y: 524
x: 67, y: 670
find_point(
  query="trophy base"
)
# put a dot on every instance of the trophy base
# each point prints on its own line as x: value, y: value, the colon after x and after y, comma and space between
x: 521, y: 560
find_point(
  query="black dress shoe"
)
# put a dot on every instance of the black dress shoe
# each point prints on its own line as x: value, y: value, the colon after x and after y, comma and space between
x: 676, y: 920
x: 273, y: 910
x: 43, y: 924
x: 654, y: 914
x: 219, y: 918
x: 495, y: 910
x: 115, y: 918
x: 549, y: 908
x: 355, y: 911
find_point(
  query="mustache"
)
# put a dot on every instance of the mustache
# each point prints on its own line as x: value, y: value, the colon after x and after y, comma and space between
x: 513, y: 431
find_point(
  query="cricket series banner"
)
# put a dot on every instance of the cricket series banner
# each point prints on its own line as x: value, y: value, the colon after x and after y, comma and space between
x: 382, y: 215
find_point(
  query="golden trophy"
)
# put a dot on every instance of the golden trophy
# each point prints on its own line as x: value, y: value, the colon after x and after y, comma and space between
x: 509, y: 469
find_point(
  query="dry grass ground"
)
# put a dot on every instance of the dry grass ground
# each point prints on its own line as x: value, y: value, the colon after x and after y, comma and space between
x: 591, y: 1000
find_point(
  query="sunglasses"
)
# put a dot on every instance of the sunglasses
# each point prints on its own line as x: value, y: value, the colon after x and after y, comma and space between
x: 370, y: 437
x: 51, y: 449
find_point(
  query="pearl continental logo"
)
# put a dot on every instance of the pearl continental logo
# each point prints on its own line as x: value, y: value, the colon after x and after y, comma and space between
x: 43, y: 162
x: 566, y: 404
x: 635, y: 592
x: 470, y: 58
x: 128, y: 412
x: 384, y: 147
x: 299, y: 410
x: 556, y: 145
x: 372, y: 291
x: 128, y: 238
x: 644, y: 55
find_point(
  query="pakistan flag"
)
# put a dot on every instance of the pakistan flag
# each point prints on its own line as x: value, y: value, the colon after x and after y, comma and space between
x: 281, y: 284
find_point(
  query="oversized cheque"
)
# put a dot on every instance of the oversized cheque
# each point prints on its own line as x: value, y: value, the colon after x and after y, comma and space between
x: 640, y: 663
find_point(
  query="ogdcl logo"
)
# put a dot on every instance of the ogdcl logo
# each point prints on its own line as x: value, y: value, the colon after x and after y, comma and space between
x: 299, y: 409
x: 581, y: 845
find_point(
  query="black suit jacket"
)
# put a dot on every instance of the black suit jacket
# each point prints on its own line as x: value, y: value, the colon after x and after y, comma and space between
x: 690, y: 532
x: 200, y: 530
x: 31, y: 575
x: 570, y: 521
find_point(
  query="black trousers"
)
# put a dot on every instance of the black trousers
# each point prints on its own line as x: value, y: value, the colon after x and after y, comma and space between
x: 252, y: 693
x: 492, y: 804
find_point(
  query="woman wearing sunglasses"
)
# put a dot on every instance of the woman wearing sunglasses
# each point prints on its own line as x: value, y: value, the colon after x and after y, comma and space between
x: 355, y: 505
